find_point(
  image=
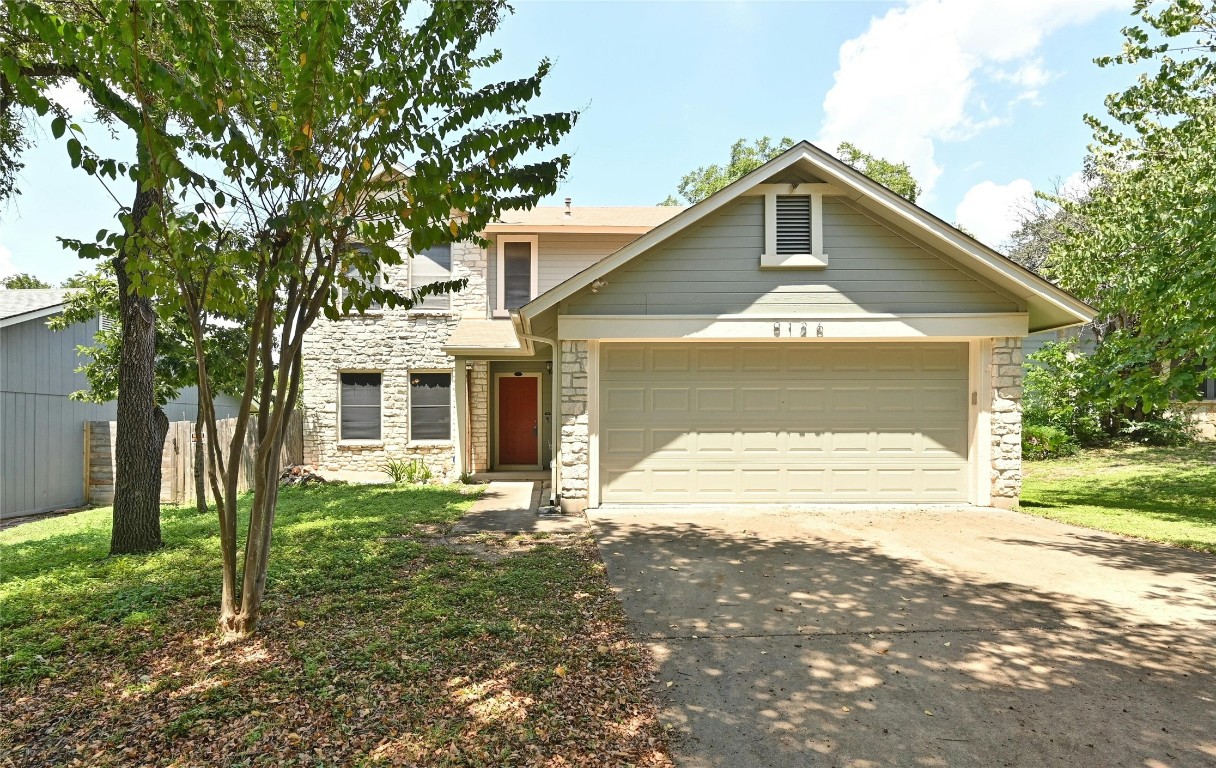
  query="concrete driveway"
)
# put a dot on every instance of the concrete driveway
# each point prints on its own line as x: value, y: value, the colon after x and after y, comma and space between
x: 967, y: 637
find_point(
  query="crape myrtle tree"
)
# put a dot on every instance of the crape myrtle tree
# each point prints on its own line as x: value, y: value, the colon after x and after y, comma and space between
x: 46, y: 43
x: 354, y: 128
x: 1141, y: 245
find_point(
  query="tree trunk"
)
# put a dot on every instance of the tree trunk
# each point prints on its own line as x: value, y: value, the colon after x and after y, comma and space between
x: 140, y: 437
x: 200, y: 481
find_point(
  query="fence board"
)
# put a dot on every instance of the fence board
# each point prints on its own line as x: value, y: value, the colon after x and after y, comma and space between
x: 177, y: 459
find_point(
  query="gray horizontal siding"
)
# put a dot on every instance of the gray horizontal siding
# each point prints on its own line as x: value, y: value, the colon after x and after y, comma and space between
x: 559, y: 258
x: 714, y: 269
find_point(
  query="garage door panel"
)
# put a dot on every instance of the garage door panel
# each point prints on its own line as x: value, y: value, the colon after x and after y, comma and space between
x: 671, y: 400
x: 783, y: 422
x: 671, y: 360
x: 624, y: 401
x: 624, y: 359
x: 719, y: 400
x: 760, y: 399
x: 760, y: 359
x: 716, y: 357
x: 628, y: 444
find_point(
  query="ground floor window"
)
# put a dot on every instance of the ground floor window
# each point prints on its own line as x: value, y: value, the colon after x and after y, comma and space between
x: 431, y: 406
x: 359, y: 406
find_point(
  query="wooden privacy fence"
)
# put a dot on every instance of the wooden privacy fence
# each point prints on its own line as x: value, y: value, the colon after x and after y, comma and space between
x: 177, y: 460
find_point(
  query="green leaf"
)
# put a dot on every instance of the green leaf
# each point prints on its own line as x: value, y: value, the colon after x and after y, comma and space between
x: 74, y: 151
x: 58, y: 126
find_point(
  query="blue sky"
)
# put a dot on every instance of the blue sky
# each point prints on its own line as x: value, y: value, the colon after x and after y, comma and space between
x: 983, y: 99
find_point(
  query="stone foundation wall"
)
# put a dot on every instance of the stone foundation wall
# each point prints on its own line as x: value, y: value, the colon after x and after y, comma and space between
x: 1005, y: 372
x: 394, y: 343
x: 575, y: 458
x: 1202, y: 415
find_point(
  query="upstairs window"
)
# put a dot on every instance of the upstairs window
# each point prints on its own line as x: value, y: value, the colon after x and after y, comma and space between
x: 431, y: 406
x: 359, y: 406
x: 433, y: 265
x: 353, y: 274
x: 517, y: 278
x: 793, y: 227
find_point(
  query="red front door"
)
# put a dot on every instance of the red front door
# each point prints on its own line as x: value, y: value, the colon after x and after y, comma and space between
x: 518, y: 427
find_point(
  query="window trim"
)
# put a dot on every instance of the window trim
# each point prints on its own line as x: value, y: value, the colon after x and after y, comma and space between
x: 438, y: 311
x: 500, y: 305
x: 452, y: 426
x: 769, y: 258
x: 357, y: 442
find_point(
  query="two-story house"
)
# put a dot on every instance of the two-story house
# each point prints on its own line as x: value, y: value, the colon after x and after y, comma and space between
x: 392, y: 384
x: 804, y: 335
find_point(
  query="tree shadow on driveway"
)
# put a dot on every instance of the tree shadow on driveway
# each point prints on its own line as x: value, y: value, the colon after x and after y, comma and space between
x: 792, y: 645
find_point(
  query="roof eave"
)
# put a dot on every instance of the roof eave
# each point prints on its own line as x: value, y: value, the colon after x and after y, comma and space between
x: 573, y: 229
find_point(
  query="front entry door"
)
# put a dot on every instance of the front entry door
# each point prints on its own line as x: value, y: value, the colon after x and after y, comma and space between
x: 518, y: 425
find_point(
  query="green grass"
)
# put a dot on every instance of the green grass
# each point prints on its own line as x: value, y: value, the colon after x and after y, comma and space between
x: 379, y: 642
x: 1160, y: 494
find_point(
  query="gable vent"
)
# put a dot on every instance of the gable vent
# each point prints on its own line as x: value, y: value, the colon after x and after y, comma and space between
x: 793, y: 224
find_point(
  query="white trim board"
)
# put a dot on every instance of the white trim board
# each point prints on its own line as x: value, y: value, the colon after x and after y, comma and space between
x: 500, y: 303
x: 33, y: 314
x: 792, y: 328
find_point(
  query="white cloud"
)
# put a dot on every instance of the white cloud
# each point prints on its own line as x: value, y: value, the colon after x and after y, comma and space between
x: 911, y: 79
x: 992, y: 211
x: 6, y: 262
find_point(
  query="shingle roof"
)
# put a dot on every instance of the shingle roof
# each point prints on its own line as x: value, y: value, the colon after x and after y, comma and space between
x: 475, y: 333
x: 20, y: 301
x: 610, y: 216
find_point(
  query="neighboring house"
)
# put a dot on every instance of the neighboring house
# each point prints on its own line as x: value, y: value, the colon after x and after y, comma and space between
x: 1201, y: 411
x: 41, y: 429
x: 802, y: 336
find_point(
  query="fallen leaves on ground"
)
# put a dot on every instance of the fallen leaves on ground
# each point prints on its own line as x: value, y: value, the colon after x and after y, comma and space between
x: 421, y: 655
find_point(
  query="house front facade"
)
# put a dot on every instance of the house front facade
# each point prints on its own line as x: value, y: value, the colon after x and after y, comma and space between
x: 802, y: 336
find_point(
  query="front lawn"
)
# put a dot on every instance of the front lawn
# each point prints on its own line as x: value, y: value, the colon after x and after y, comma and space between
x: 1160, y: 494
x: 381, y: 643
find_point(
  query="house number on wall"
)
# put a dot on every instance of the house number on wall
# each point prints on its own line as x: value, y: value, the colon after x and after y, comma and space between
x: 789, y: 329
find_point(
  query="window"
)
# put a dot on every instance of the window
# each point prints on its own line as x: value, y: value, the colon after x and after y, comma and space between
x: 793, y: 227
x: 433, y: 265
x: 359, y: 406
x: 1207, y: 387
x: 431, y: 406
x: 353, y: 274
x: 516, y: 271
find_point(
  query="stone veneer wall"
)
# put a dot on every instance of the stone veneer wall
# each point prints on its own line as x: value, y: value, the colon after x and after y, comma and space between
x: 575, y: 457
x: 479, y: 416
x: 394, y: 342
x: 1005, y: 372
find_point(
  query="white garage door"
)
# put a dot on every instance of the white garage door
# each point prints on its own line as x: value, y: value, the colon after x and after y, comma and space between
x: 793, y: 422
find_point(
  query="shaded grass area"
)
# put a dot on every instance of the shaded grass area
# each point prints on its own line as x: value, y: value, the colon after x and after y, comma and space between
x: 1160, y: 494
x: 380, y: 644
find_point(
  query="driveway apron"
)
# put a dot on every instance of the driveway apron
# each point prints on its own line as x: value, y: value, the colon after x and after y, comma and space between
x: 917, y: 637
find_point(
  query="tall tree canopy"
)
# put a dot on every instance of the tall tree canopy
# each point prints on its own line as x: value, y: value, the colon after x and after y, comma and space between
x: 1141, y: 246
x: 746, y: 157
x: 48, y: 43
x: 355, y: 125
x: 24, y: 280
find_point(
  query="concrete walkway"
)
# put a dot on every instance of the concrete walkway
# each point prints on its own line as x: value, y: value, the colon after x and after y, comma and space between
x: 510, y: 507
x: 966, y: 637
